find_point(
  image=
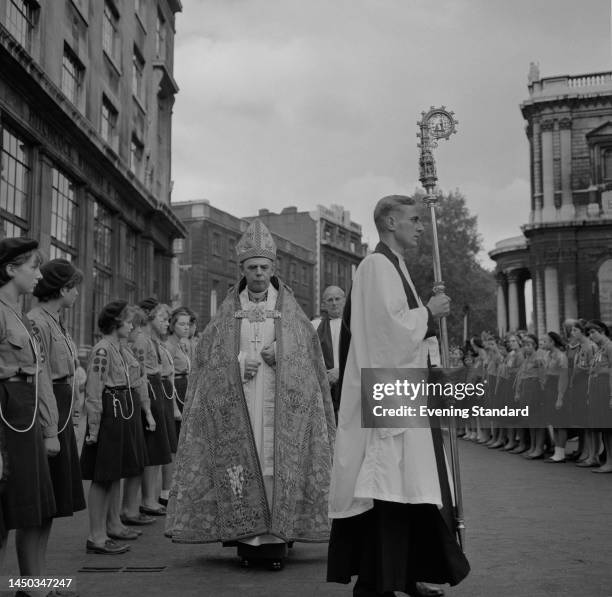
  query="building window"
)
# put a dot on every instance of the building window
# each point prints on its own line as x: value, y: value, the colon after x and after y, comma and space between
x: 327, y: 234
x: 137, y: 73
x: 108, y: 123
x: 213, y: 298
x: 131, y: 256
x: 304, y: 276
x: 110, y: 31
x: 15, y: 177
x: 64, y: 215
x: 178, y: 246
x: 216, y: 244
x: 103, y: 232
x: 102, y: 276
x: 606, y: 158
x: 352, y: 246
x: 160, y: 37
x: 136, y: 151
x: 72, y: 76
x: 293, y: 272
x: 231, y: 249
x: 9, y: 230
x: 20, y: 16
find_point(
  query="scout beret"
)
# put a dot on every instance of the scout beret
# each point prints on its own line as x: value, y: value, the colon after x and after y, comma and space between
x: 10, y: 248
x: 148, y: 304
x: 111, y: 313
x: 600, y: 326
x: 56, y: 274
x: 557, y: 340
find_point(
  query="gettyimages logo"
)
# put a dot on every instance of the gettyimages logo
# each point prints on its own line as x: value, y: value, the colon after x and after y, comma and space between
x: 422, y: 398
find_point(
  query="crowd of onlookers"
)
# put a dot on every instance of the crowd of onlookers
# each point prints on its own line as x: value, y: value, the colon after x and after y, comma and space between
x: 565, y: 380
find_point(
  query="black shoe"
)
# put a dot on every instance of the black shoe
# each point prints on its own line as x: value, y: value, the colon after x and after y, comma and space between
x: 422, y: 589
x: 109, y: 547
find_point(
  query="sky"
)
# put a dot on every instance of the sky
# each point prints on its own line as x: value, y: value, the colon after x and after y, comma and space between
x: 307, y: 102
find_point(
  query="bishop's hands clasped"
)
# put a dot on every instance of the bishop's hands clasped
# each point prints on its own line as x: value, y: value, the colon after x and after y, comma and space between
x: 251, y: 366
x: 439, y: 305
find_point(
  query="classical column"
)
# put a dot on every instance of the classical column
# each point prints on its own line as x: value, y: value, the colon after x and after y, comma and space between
x: 513, y: 300
x: 536, y: 173
x: 570, y: 296
x: 502, y: 311
x: 549, y: 212
x: 551, y: 295
x: 567, y: 201
x: 538, y: 301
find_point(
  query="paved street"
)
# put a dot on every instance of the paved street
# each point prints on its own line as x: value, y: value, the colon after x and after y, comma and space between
x: 533, y: 529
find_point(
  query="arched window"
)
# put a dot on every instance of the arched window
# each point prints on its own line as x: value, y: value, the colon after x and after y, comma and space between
x: 604, y: 278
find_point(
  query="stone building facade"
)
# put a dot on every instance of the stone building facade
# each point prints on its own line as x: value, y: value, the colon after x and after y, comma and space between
x: 86, y: 96
x: 208, y: 266
x: 566, y: 248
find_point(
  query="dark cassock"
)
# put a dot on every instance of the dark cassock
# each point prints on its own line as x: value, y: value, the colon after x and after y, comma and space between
x: 390, y: 495
x: 328, y: 331
x: 254, y: 457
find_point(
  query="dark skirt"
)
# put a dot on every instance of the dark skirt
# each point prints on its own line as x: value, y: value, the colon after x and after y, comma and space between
x: 27, y: 499
x: 168, y: 390
x: 532, y: 395
x: 558, y: 418
x: 136, y: 433
x: 65, y: 468
x: 180, y: 384
x: 157, y: 443
x: 504, y: 396
x: 578, y: 403
x: 600, y: 413
x: 392, y: 546
x: 490, y: 397
x: 114, y: 456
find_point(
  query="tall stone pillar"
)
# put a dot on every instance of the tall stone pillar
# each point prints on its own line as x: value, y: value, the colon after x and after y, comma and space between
x: 536, y: 169
x: 513, y: 300
x: 502, y: 311
x: 570, y: 295
x: 551, y: 298
x: 549, y: 212
x: 568, y: 211
x: 538, y: 301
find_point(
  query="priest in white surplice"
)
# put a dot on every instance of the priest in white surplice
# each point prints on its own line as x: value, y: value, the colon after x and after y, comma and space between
x: 255, y: 450
x: 389, y: 486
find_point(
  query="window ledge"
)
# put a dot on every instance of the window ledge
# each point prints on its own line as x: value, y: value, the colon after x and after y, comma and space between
x: 139, y: 103
x: 112, y: 62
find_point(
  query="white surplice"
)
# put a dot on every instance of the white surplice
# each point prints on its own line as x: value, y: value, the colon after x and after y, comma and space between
x: 396, y: 465
x: 259, y: 391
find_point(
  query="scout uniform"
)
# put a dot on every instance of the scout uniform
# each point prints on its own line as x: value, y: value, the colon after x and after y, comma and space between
x: 62, y: 354
x: 157, y: 442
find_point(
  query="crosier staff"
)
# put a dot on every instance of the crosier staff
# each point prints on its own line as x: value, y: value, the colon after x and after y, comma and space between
x: 436, y: 124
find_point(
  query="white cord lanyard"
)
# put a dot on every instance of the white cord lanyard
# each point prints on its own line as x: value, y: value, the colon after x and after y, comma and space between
x: 182, y: 349
x: 73, y: 360
x: 36, y: 357
x: 172, y: 361
x: 116, y: 401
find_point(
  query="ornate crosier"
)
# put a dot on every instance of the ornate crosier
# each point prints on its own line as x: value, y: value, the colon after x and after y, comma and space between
x: 439, y: 123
